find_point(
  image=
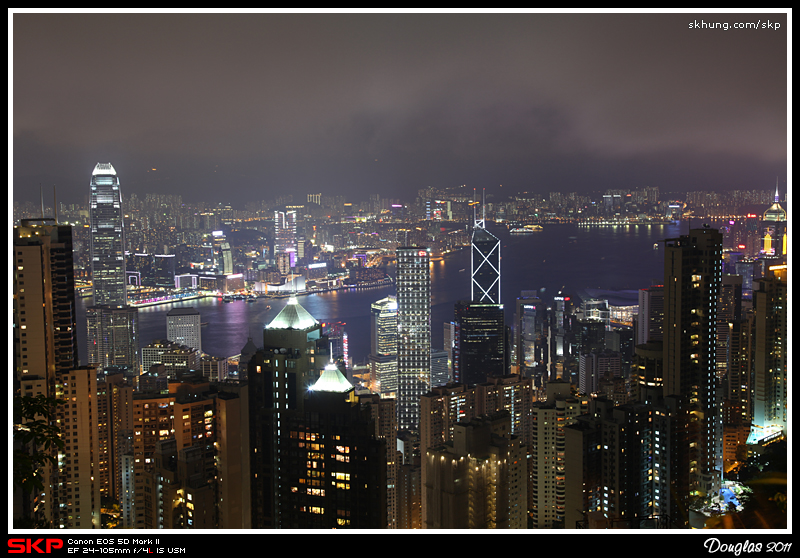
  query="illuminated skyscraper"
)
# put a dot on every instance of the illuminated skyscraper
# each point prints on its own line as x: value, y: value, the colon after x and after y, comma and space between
x: 183, y: 327
x: 285, y: 233
x: 44, y: 329
x: 383, y: 346
x: 278, y: 377
x: 413, y: 333
x: 692, y: 283
x: 485, y: 266
x: 479, y: 350
x: 480, y: 345
x: 113, y: 337
x: 333, y: 468
x: 477, y: 481
x: 650, y: 325
x: 774, y: 229
x: 225, y: 259
x: 107, y: 237
x: 771, y: 347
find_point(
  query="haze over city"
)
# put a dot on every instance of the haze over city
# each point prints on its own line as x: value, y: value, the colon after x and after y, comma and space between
x: 399, y: 271
x: 233, y: 107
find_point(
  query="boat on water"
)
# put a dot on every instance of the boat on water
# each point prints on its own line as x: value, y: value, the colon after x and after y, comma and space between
x: 526, y: 229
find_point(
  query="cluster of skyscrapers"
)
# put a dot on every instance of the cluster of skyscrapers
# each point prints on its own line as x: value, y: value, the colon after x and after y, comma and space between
x: 292, y: 443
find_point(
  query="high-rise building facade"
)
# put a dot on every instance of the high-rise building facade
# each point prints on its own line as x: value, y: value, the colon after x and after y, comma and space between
x: 383, y: 345
x: 480, y: 347
x: 485, y: 285
x: 112, y: 337
x: 333, y: 464
x: 183, y: 327
x: 278, y: 376
x: 650, y: 322
x: 107, y: 242
x: 547, y: 465
x: 529, y: 331
x: 285, y: 233
x: 44, y: 331
x: 692, y: 283
x: 479, y: 480
x: 413, y: 333
x: 770, y: 351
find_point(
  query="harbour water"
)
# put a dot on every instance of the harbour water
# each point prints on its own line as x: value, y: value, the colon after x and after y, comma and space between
x: 562, y: 258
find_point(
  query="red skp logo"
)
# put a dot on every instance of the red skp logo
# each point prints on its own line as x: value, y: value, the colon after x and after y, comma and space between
x: 29, y: 546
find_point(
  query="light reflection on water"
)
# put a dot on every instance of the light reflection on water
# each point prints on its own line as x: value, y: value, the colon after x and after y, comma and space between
x: 559, y: 257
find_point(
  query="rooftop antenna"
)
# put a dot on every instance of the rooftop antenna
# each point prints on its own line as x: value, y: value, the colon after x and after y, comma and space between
x: 479, y: 223
x: 41, y: 199
x: 483, y: 207
x: 55, y: 205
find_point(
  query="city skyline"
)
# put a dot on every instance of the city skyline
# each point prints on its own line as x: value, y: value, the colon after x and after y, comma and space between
x: 516, y: 423
x: 229, y: 107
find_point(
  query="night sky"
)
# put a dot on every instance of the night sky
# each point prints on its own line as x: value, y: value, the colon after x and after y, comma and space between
x: 238, y: 107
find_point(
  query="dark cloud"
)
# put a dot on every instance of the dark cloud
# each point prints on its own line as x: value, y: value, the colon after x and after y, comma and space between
x: 238, y: 105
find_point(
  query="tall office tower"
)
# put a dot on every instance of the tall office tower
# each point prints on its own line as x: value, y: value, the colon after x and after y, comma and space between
x: 485, y: 286
x: 164, y: 270
x: 183, y: 327
x: 770, y: 350
x: 692, y: 281
x: 333, y: 465
x: 449, y: 338
x: 44, y: 329
x: 650, y: 323
x: 547, y: 482
x: 479, y: 480
x: 383, y: 345
x: 774, y: 229
x: 278, y: 377
x: 440, y: 371
x: 107, y: 244
x: 285, y: 232
x: 528, y: 331
x: 413, y: 333
x: 112, y: 337
x: 556, y: 337
x: 225, y: 258
x: 480, y: 348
